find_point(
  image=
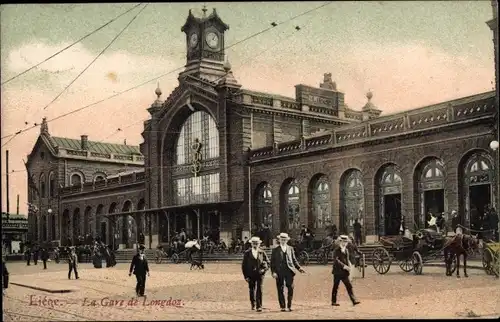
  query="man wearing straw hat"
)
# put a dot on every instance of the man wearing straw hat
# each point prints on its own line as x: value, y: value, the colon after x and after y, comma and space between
x: 283, y: 264
x: 254, y: 266
x: 341, y: 270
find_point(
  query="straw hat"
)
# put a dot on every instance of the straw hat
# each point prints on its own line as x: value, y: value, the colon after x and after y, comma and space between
x: 283, y: 235
x: 255, y: 240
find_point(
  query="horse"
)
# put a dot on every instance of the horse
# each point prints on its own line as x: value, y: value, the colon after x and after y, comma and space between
x: 459, y: 245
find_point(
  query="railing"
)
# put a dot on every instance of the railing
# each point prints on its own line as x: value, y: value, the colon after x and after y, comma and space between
x: 425, y: 118
x: 109, y: 156
x: 132, y: 178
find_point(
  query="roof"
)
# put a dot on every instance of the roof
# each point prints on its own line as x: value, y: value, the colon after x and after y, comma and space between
x: 95, y: 146
x: 14, y: 216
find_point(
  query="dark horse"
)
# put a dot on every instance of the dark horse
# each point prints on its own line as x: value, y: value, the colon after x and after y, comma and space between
x: 459, y: 245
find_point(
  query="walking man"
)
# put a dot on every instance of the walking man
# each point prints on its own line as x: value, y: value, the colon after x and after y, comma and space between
x: 73, y: 263
x: 283, y: 264
x: 5, y: 277
x: 28, y: 256
x: 254, y: 266
x: 140, y: 268
x: 45, y: 257
x: 341, y: 271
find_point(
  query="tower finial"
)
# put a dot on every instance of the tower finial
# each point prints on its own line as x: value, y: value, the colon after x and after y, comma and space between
x: 369, y: 95
x: 204, y: 10
x: 158, y: 90
x: 44, y: 127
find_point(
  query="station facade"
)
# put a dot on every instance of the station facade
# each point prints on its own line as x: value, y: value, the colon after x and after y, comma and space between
x: 220, y: 157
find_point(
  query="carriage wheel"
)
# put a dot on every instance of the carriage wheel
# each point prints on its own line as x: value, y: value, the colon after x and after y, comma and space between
x: 418, y: 263
x: 303, y: 258
x: 175, y: 258
x: 487, y: 260
x: 406, y: 265
x: 322, y: 258
x: 381, y: 260
x: 494, y: 265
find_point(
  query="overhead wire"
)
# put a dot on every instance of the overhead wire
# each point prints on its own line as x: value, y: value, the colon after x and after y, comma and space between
x: 98, y: 55
x: 83, y: 71
x: 68, y: 47
x: 167, y: 73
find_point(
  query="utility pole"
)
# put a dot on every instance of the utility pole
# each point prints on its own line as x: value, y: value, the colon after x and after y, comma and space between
x: 7, y: 179
x: 17, y: 204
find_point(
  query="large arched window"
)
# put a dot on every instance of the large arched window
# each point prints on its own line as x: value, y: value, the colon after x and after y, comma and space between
x: 201, y: 126
x: 263, y: 204
x: 390, y: 189
x: 293, y: 205
x: 430, y: 179
x: 352, y: 200
x: 42, y: 186
x: 321, y: 207
x: 478, y: 186
x: 197, y: 143
x: 52, y: 185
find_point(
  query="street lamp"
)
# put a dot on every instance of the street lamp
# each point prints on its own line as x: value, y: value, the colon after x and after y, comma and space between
x: 494, y: 146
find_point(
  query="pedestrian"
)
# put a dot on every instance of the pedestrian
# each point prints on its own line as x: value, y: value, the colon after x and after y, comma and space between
x: 35, y: 255
x: 455, y: 220
x: 45, y: 257
x: 140, y: 268
x: 254, y: 266
x: 28, y: 256
x: 357, y: 232
x: 341, y: 271
x: 307, y: 237
x: 283, y: 264
x: 72, y: 263
x: 5, y: 277
x: 493, y: 222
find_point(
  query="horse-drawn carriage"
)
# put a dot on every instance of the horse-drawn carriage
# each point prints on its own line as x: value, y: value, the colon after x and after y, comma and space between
x: 491, y: 258
x: 411, y: 251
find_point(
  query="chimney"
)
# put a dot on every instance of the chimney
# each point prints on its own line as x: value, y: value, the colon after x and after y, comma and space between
x: 85, y: 141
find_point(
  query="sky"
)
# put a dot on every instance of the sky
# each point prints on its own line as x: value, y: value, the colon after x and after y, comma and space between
x: 408, y: 53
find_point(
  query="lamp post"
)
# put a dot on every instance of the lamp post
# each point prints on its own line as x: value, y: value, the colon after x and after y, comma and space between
x: 49, y: 212
x: 494, y: 147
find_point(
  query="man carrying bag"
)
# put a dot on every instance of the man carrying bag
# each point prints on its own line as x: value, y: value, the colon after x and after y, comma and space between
x: 341, y: 271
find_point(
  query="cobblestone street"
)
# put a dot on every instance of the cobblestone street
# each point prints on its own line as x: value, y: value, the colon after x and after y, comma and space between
x: 219, y: 292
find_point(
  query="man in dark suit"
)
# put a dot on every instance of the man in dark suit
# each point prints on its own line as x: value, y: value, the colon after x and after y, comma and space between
x: 307, y: 237
x: 45, y: 257
x: 72, y: 263
x: 283, y: 264
x: 254, y: 266
x: 341, y: 270
x: 140, y: 268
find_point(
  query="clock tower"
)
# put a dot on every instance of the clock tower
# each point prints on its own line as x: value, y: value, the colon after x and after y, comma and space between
x: 205, y: 46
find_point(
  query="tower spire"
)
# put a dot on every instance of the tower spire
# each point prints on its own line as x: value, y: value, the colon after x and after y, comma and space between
x: 204, y: 10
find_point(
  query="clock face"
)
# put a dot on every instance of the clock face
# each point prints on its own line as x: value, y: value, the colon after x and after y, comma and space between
x: 193, y: 40
x: 212, y: 40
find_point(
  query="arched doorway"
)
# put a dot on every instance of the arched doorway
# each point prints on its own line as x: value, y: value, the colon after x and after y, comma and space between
x: 113, y: 227
x: 65, y: 228
x: 320, y: 206
x: 44, y: 227
x: 88, y: 221
x: 53, y: 223
x: 263, y: 212
x: 390, y: 189
x: 76, y: 226
x: 429, y: 177
x: 100, y: 228
x: 290, y: 206
x: 352, y: 200
x: 478, y: 179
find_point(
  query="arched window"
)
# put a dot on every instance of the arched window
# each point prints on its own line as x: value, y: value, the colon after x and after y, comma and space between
x: 201, y: 126
x: 42, y: 186
x: 352, y: 200
x: 76, y: 179
x: 99, y: 177
x: 52, y: 185
x: 293, y: 205
x: 264, y: 204
x: 198, y: 142
x: 321, y: 204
